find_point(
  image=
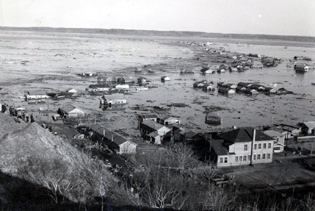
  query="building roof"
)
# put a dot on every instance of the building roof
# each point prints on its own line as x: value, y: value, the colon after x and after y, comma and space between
x: 94, y: 86
x: 108, y: 134
x: 153, y: 134
x: 171, y: 119
x: 273, y: 133
x: 299, y: 65
x: 310, y: 124
x: 36, y: 92
x: 152, y: 124
x: 244, y: 135
x: 146, y: 116
x: 188, y: 134
x: 217, y: 146
x: 68, y: 107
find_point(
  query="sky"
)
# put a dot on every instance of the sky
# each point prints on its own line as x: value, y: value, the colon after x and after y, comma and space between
x: 277, y: 17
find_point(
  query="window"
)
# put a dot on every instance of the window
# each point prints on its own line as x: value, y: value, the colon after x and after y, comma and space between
x: 276, y: 148
x: 248, y: 157
x: 255, y: 146
x: 264, y: 156
x: 225, y: 160
x: 244, y: 158
x: 265, y: 145
x: 258, y: 157
x: 254, y: 157
x: 269, y: 145
x: 268, y: 156
x: 245, y: 147
x: 259, y: 146
x: 236, y: 158
x: 240, y: 158
x: 221, y: 160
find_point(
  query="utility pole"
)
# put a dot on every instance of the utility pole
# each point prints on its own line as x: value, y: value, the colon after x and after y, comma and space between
x: 252, y: 147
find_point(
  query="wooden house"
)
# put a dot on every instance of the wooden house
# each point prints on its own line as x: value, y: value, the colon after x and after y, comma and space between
x: 226, y: 90
x: 154, y: 132
x: 213, y: 119
x: 35, y: 95
x: 301, y: 68
x: 115, y: 142
x: 308, y: 128
x: 165, y: 78
x: 71, y: 111
x: 98, y: 88
x: 279, y: 138
x: 142, y: 81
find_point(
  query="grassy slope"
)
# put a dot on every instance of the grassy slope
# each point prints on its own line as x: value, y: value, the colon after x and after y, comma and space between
x: 34, y: 154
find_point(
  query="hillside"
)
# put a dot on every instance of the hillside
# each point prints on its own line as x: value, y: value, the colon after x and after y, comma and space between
x: 163, y: 33
x: 32, y: 153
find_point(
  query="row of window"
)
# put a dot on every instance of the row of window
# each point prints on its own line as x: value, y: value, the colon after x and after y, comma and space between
x: 264, y: 145
x: 225, y: 160
x: 246, y: 157
x: 263, y: 156
x: 242, y: 158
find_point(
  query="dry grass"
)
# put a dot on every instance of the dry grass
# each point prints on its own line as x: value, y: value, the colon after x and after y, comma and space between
x: 30, y: 152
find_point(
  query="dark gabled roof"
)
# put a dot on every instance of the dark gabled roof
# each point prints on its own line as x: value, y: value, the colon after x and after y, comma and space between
x: 190, y: 134
x: 217, y: 146
x: 152, y: 124
x: 234, y: 136
x: 109, y: 135
x: 145, y: 116
x: 243, y: 135
x: 68, y: 107
x: 36, y: 92
x: 93, y: 86
x: 300, y: 65
x: 260, y: 136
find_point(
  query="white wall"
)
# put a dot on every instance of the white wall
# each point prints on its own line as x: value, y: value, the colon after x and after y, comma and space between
x: 127, y: 148
x: 259, y: 152
x: 162, y: 131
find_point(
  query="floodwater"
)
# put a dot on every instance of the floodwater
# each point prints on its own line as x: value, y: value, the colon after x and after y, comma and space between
x: 242, y: 110
x: 75, y: 54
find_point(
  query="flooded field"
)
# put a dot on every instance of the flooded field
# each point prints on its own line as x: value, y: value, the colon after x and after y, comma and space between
x: 53, y: 62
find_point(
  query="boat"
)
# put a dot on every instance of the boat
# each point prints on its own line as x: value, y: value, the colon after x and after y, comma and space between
x: 313, y: 84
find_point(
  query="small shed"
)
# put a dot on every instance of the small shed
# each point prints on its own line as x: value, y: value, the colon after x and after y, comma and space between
x: 213, y: 119
x: 301, y: 68
x: 226, y: 90
x: 171, y: 121
x: 142, y: 81
x: 165, y: 78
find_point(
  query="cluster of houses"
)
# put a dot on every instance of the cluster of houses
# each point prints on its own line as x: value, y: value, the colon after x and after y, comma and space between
x: 204, y: 85
x: 241, y: 146
x: 249, y: 88
x: 241, y: 87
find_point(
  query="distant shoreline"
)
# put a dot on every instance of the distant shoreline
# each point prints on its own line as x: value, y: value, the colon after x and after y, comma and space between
x: 164, y: 33
x: 61, y: 34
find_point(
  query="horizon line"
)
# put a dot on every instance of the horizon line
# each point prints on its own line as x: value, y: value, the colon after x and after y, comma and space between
x: 153, y: 30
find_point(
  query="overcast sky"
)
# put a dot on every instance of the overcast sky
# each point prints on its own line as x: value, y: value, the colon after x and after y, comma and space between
x: 281, y: 17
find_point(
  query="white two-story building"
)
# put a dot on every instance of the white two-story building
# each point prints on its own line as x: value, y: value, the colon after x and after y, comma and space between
x: 242, y: 146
